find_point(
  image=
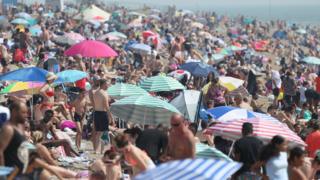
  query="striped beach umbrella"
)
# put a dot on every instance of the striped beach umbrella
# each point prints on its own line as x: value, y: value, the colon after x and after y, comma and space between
x: 161, y: 83
x: 262, y: 129
x: 205, y: 151
x: 143, y: 109
x: 121, y: 90
x: 22, y: 88
x: 190, y: 169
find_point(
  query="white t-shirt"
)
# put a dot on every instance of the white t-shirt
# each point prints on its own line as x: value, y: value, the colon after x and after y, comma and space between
x: 275, y: 75
x: 277, y: 167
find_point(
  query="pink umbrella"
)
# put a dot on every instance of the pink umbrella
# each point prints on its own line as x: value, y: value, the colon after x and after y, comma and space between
x: 263, y: 129
x: 75, y: 36
x: 91, y: 49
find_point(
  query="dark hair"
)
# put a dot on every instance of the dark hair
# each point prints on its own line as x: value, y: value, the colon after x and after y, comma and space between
x: 193, y: 128
x: 270, y: 149
x: 316, y: 125
x: 296, y: 152
x: 111, y: 153
x: 247, y: 128
x: 133, y: 131
x: 14, y: 105
x: 102, y: 82
x: 121, y: 141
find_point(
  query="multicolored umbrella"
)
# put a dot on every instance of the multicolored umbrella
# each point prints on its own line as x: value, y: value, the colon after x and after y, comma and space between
x: 91, y: 49
x: 208, y: 152
x: 228, y: 82
x: 143, y: 109
x: 121, y: 90
x: 189, y: 169
x: 262, y: 129
x: 161, y: 83
x: 23, y: 88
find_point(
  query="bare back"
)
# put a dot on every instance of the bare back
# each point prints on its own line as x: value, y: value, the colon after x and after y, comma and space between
x: 181, y: 145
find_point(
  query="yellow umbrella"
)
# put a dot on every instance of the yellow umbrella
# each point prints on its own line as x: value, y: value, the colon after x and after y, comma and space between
x: 226, y: 81
x: 28, y: 88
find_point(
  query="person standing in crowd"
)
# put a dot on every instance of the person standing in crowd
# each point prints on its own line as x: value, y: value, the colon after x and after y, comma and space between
x: 181, y: 143
x: 102, y: 116
x: 246, y: 151
x: 313, y: 140
x: 289, y: 87
x: 216, y: 92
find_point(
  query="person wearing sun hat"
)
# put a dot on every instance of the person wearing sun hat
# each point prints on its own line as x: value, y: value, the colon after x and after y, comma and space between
x: 47, y: 92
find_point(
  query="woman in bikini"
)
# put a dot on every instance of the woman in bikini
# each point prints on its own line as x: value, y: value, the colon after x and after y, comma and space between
x: 47, y: 91
x: 137, y: 158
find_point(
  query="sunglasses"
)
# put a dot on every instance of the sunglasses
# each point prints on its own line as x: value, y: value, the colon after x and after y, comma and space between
x: 175, y: 125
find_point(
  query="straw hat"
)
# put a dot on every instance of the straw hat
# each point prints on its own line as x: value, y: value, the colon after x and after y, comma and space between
x: 51, y: 76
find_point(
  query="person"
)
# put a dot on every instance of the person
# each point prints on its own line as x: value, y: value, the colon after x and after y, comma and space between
x: 246, y: 150
x: 181, y: 142
x: 296, y: 161
x: 289, y: 87
x: 274, y: 157
x: 216, y: 92
x: 276, y: 85
x: 47, y: 92
x: 153, y: 141
x: 12, y: 135
x: 80, y: 105
x: 313, y: 139
x: 102, y: 116
x: 133, y: 155
x: 239, y: 102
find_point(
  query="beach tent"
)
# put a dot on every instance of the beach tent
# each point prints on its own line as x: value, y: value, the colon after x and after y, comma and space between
x: 93, y: 13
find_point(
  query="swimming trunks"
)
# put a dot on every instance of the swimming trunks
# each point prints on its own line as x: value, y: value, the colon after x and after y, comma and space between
x: 101, y: 121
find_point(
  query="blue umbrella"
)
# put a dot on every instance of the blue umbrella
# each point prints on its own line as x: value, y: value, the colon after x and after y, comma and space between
x: 198, y: 69
x: 20, y: 21
x: 189, y: 169
x: 35, y: 30
x: 23, y: 15
x: 32, y: 21
x: 26, y: 74
x: 70, y: 76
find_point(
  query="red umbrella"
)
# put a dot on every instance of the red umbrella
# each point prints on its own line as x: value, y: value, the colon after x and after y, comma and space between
x: 263, y: 129
x: 146, y: 34
x: 91, y: 49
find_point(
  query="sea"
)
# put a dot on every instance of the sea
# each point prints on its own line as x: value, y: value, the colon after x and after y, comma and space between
x: 300, y: 14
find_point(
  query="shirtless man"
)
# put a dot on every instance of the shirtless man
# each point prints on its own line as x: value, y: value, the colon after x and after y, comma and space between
x: 102, y: 114
x: 181, y: 143
x: 80, y: 105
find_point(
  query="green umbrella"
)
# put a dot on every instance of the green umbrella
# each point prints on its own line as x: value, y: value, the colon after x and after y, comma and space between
x: 143, y: 109
x: 121, y: 90
x: 205, y: 151
x: 312, y: 60
x: 161, y: 83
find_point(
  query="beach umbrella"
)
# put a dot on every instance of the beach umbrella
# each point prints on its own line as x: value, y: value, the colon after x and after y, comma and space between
x: 117, y: 34
x: 23, y: 15
x: 135, y: 23
x: 186, y: 12
x: 22, y: 88
x: 62, y: 40
x: 187, y: 103
x: 35, y: 30
x: 121, y: 90
x: 226, y: 81
x: 260, y: 45
x: 143, y: 109
x: 140, y: 48
x: 70, y: 76
x: 236, y: 48
x: 198, y: 69
x: 26, y: 74
x: 154, y: 17
x: 197, y: 25
x: 218, y: 57
x: 134, y: 13
x: 208, y: 152
x: 161, y: 83
x: 240, y: 90
x: 20, y: 21
x: 311, y: 60
x: 91, y: 49
x: 193, y: 60
x: 188, y: 169
x: 280, y: 35
x: 301, y: 31
x: 70, y: 11
x: 179, y: 74
x: 146, y: 34
x: 93, y: 12
x: 262, y: 129
x: 75, y: 36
